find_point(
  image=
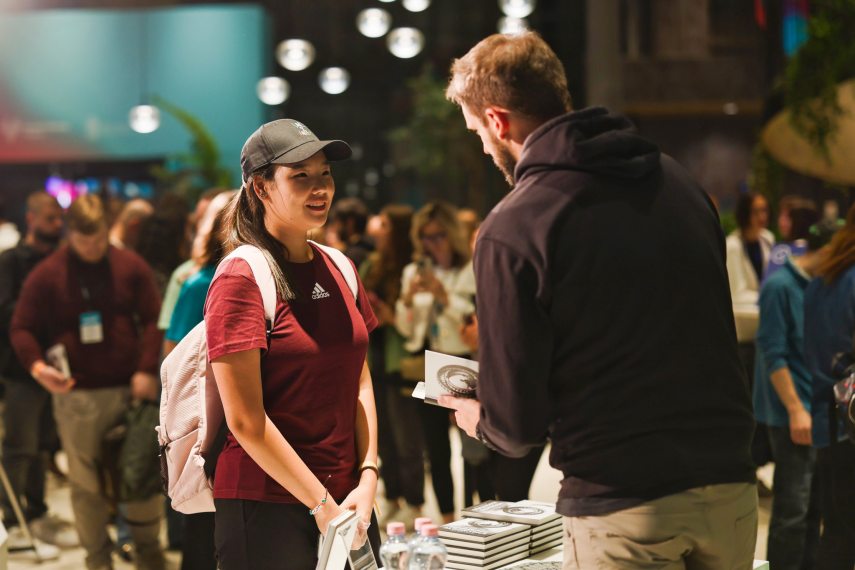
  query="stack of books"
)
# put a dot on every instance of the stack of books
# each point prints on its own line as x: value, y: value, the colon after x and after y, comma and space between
x: 483, y: 544
x: 545, y: 523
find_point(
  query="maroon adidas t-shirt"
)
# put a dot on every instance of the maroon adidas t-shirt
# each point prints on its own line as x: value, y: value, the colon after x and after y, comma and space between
x: 310, y: 375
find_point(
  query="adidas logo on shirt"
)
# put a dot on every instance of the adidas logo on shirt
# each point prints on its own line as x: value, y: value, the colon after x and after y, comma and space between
x: 319, y: 293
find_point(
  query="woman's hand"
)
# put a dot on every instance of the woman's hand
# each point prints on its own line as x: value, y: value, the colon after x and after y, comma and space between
x: 361, y: 500
x: 328, y: 512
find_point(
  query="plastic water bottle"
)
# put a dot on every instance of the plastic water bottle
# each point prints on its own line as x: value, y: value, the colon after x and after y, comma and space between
x: 430, y: 554
x: 416, y: 538
x: 395, y: 552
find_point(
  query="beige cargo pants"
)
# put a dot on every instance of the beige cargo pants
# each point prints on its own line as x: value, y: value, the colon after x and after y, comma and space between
x: 706, y: 528
x: 83, y: 418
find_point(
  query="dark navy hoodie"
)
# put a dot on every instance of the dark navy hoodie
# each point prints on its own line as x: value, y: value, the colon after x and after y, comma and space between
x: 606, y: 322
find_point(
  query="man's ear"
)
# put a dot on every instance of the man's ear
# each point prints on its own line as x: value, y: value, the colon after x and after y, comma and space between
x: 498, y: 121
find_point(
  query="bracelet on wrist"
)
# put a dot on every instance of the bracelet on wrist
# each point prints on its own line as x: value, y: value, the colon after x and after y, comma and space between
x: 369, y: 466
x: 316, y: 510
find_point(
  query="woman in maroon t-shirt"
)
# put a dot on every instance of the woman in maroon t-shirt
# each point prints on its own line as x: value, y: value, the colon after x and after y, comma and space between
x: 303, y: 432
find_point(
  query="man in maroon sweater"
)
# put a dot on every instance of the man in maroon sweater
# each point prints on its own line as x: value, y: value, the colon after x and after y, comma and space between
x: 101, y: 304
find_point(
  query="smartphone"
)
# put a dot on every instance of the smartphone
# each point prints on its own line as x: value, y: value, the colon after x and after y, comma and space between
x: 58, y: 358
x: 425, y: 265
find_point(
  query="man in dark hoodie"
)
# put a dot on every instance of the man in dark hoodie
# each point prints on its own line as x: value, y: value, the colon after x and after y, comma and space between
x: 608, y: 326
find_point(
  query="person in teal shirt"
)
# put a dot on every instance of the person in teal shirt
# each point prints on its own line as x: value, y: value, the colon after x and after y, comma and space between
x: 782, y: 404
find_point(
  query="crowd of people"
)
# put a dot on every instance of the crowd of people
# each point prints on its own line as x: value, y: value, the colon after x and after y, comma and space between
x: 802, y: 287
x: 616, y: 341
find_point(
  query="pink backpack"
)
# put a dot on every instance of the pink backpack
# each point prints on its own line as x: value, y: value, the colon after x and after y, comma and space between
x: 191, y: 412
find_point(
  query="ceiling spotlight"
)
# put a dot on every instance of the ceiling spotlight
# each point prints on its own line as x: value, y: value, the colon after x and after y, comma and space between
x: 144, y: 118
x: 334, y: 80
x: 295, y: 55
x: 405, y: 42
x: 511, y: 26
x: 416, y: 5
x: 517, y: 8
x: 373, y: 22
x: 273, y: 90
x: 730, y: 108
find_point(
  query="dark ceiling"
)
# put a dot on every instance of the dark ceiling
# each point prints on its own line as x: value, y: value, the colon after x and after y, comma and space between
x: 378, y: 99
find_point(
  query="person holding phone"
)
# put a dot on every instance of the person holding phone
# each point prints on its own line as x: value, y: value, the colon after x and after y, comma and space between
x: 437, y: 291
x: 299, y: 402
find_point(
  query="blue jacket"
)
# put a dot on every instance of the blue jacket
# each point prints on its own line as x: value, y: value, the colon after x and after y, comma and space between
x: 829, y: 330
x: 780, y: 343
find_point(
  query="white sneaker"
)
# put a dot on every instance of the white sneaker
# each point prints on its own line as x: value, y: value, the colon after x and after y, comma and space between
x: 19, y: 546
x: 52, y: 529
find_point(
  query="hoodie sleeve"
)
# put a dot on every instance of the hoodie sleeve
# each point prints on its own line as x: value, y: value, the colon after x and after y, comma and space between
x: 515, y: 351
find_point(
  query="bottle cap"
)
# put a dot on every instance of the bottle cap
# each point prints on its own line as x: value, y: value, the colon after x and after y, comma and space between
x: 430, y: 530
x: 396, y: 529
x: 421, y: 521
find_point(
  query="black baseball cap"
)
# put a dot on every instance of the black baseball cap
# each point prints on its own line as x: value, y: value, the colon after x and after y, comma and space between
x: 286, y: 141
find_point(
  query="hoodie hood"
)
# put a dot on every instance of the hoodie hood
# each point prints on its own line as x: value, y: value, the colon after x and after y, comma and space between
x: 591, y: 140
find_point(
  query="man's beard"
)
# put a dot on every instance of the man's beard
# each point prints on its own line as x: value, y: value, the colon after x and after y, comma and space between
x: 51, y: 240
x: 504, y: 160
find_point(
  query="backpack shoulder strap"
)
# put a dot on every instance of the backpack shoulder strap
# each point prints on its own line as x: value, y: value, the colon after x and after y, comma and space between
x: 262, y: 274
x: 345, y: 266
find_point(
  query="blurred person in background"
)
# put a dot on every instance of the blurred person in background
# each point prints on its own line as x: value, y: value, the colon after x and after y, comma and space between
x: 196, y: 237
x: 782, y: 399
x: 348, y: 219
x: 101, y: 304
x: 29, y: 428
x: 791, y: 210
x: 125, y: 231
x: 400, y: 440
x: 748, y: 248
x: 9, y: 234
x: 208, y: 252
x: 437, y: 292
x: 196, y: 538
x: 829, y: 331
x: 161, y: 245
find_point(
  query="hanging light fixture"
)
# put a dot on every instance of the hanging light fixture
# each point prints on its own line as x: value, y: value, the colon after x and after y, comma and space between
x: 511, y: 26
x: 387, y: 1
x: 405, y: 42
x: 273, y: 90
x: 373, y: 22
x: 295, y: 55
x: 517, y: 8
x: 416, y: 5
x: 144, y: 118
x: 334, y: 80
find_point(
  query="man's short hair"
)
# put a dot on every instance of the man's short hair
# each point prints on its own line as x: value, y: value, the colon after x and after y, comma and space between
x: 38, y: 200
x: 87, y: 215
x: 519, y: 73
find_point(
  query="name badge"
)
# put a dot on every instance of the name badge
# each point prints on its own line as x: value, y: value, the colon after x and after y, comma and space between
x: 91, y: 328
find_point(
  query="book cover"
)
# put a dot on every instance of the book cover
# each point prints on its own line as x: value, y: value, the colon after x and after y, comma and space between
x: 334, y: 548
x: 447, y: 375
x: 534, y: 513
x: 482, y: 530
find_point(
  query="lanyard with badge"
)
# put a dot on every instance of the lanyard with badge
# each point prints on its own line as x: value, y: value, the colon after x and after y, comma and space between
x: 91, y: 323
